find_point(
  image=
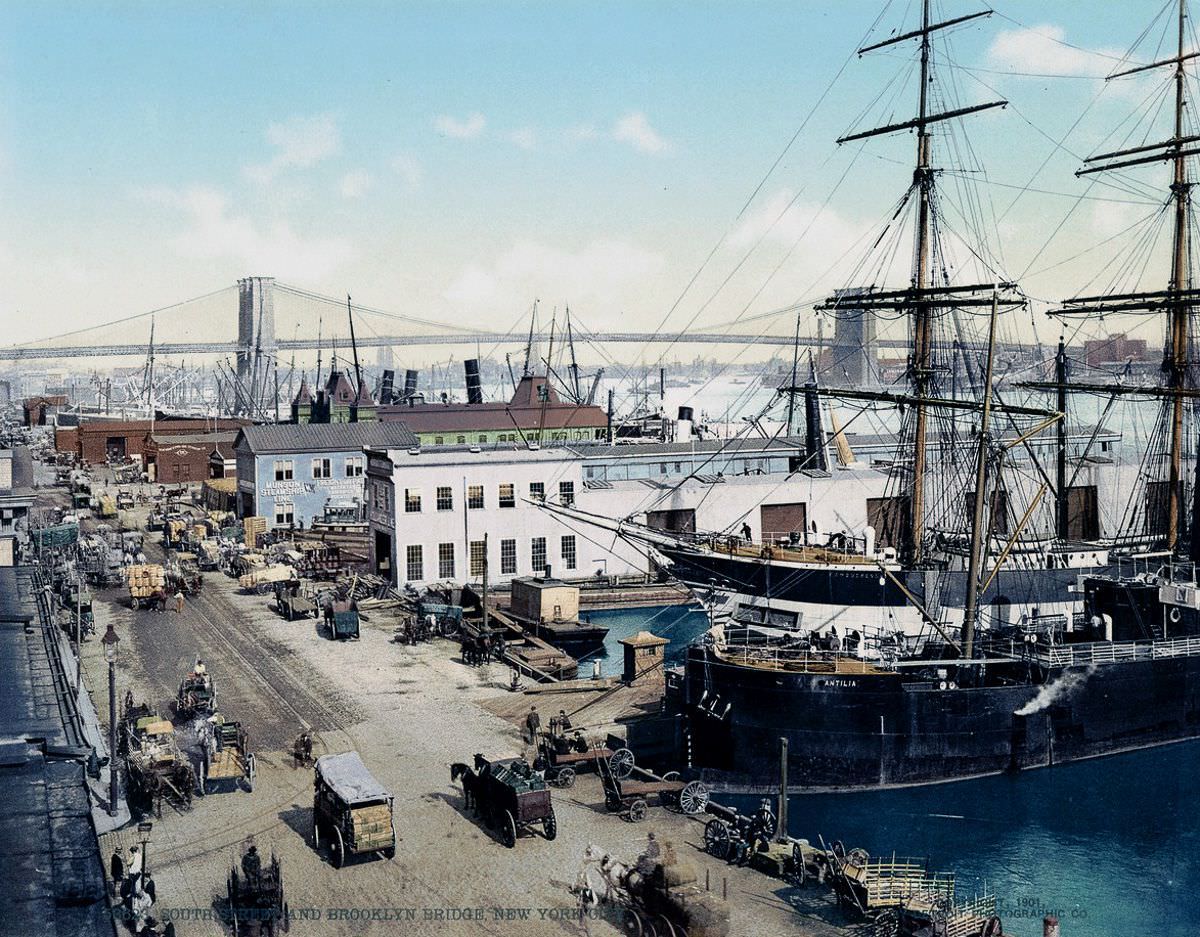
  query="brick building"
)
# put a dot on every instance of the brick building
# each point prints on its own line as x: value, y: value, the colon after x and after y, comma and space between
x: 96, y: 440
x: 186, y: 458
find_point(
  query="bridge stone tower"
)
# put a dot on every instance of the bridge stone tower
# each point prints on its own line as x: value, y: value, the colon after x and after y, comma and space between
x: 855, y: 345
x: 255, y: 342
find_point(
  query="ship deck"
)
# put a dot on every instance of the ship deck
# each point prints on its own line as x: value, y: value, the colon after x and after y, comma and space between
x: 789, y: 554
x: 797, y: 661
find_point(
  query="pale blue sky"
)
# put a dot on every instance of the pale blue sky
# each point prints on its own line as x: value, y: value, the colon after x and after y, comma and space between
x: 458, y: 159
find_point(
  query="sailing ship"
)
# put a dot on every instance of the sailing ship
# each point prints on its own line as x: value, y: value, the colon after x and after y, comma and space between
x: 986, y: 697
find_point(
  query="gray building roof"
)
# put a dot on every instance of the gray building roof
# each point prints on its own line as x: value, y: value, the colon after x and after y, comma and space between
x: 282, y: 438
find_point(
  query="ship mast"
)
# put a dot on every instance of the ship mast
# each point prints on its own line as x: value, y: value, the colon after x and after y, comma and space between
x: 919, y: 300
x: 1177, y: 373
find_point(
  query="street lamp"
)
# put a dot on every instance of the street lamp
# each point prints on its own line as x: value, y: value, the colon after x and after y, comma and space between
x: 110, y: 642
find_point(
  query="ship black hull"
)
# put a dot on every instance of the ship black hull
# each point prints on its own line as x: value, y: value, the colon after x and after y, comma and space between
x: 875, y: 730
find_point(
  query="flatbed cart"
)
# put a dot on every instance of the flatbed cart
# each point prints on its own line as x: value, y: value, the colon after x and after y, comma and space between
x: 628, y: 788
x: 227, y: 759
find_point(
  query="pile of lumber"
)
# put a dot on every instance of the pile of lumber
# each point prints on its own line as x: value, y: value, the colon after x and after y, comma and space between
x: 145, y: 580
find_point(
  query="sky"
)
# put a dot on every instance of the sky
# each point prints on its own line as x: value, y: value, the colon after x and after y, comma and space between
x: 455, y: 161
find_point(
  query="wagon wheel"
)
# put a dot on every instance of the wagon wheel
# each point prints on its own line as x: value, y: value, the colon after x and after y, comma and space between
x: 565, y: 777
x: 637, y: 811
x: 620, y: 763
x: 693, y: 798
x: 550, y: 825
x: 339, y: 849
x: 612, y: 800
x: 251, y: 770
x: 390, y: 852
x: 316, y: 833
x: 716, y: 838
x: 202, y: 777
x: 664, y: 927
x: 634, y: 926
x: 508, y: 829
x: 796, y: 874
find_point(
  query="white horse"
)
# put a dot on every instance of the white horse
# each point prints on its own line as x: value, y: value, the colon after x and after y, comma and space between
x: 614, y: 874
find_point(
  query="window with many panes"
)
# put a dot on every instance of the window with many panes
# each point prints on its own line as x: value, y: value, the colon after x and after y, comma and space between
x: 354, y: 466
x: 537, y: 491
x: 283, y: 470
x: 445, y: 560
x: 508, y: 496
x: 566, y: 493
x: 412, y: 500
x: 285, y: 513
x: 537, y: 555
x: 414, y: 562
x: 445, y: 498
x: 568, y: 551
x: 461, y: 439
x: 475, y: 497
x: 322, y: 468
x: 478, y: 555
x: 508, y: 557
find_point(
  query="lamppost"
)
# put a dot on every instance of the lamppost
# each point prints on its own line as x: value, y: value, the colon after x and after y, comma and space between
x: 110, y: 642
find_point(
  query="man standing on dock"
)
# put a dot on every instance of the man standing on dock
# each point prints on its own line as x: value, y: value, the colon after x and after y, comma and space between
x: 533, y: 722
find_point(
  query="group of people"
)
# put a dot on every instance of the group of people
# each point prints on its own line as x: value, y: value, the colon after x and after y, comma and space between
x: 133, y: 886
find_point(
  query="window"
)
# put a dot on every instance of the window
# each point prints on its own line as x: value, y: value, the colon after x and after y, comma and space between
x: 461, y: 440
x: 508, y: 496
x: 508, y: 557
x: 354, y: 466
x: 439, y: 440
x: 445, y: 498
x: 415, y: 562
x: 321, y: 468
x: 285, y: 513
x: 537, y: 491
x: 483, y: 437
x: 478, y: 558
x: 475, y: 497
x: 283, y: 470
x: 412, y: 500
x: 445, y: 560
x: 537, y: 555
x: 568, y: 551
x: 566, y: 493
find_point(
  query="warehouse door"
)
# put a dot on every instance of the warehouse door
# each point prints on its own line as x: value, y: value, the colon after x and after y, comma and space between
x: 677, y: 521
x: 115, y: 447
x: 1083, y: 515
x: 778, y: 521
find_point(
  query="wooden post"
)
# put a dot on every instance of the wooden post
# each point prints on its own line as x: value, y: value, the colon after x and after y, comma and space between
x: 782, y: 832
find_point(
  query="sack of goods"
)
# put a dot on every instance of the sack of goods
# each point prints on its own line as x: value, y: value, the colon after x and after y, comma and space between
x: 145, y: 580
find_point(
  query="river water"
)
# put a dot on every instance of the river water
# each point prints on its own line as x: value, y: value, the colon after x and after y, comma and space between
x: 1112, y: 846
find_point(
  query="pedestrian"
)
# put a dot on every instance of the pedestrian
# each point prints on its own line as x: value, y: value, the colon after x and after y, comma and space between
x: 135, y: 862
x: 151, y: 890
x: 564, y: 722
x: 116, y: 868
x: 533, y: 722
x: 178, y: 601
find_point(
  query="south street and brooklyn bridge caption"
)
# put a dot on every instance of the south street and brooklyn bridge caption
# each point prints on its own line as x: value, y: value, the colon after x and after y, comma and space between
x: 617, y: 583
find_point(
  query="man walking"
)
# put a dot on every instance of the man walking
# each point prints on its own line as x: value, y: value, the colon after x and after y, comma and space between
x: 533, y: 722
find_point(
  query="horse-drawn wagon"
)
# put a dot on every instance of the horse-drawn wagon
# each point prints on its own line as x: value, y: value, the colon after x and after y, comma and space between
x: 255, y: 895
x: 508, y: 794
x: 156, y: 768
x: 352, y: 812
x: 629, y: 788
x: 196, y: 696
x: 227, y: 758
x: 561, y: 756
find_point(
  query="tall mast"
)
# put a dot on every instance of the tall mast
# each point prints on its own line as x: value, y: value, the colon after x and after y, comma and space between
x: 1178, y: 347
x: 1061, y: 500
x: 354, y: 348
x: 919, y: 300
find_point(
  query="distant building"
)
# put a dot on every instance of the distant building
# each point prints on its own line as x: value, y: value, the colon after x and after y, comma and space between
x: 40, y: 410
x: 292, y: 473
x: 187, y: 458
x: 16, y: 497
x: 534, y: 413
x: 1114, y: 350
x: 336, y: 402
x: 95, y: 441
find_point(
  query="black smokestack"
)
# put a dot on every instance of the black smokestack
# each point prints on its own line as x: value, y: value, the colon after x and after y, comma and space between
x: 474, y: 387
x: 410, y: 383
x: 386, y: 387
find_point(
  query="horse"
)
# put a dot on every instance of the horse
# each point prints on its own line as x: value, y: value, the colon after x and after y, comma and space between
x: 469, y: 785
x: 613, y: 873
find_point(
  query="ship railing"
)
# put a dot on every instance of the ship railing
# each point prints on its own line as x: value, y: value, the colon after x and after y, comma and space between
x: 796, y: 659
x: 1113, y: 652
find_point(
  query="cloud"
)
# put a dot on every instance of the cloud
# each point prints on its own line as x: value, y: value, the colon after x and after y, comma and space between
x: 299, y: 143
x: 1040, y: 50
x: 213, y: 231
x: 524, y: 137
x: 409, y: 169
x: 635, y: 130
x: 583, y: 132
x: 468, y: 129
x: 605, y: 275
x: 355, y: 184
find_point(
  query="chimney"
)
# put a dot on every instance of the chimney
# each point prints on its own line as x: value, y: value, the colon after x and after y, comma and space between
x: 474, y: 388
x: 386, y: 387
x: 410, y: 383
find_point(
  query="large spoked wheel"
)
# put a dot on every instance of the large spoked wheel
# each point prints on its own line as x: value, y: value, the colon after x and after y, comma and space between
x: 797, y: 872
x: 664, y: 928
x: 508, y: 829
x: 620, y: 763
x: 565, y: 777
x: 338, y: 845
x: 611, y: 801
x: 633, y: 925
x: 637, y: 811
x: 550, y: 825
x: 716, y: 838
x: 693, y: 799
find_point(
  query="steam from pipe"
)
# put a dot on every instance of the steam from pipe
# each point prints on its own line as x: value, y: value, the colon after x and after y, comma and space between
x: 1056, y: 689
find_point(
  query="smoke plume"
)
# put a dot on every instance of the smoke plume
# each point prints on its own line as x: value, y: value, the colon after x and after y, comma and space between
x: 1055, y: 690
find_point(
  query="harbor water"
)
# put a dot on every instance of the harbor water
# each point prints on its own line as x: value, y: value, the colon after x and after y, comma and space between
x: 1111, y: 846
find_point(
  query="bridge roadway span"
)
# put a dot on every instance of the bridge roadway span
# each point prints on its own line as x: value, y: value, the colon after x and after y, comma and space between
x: 28, y: 353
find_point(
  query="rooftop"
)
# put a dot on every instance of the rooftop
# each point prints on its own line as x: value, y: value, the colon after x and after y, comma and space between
x: 323, y: 437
